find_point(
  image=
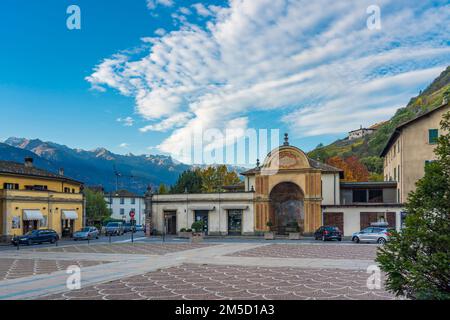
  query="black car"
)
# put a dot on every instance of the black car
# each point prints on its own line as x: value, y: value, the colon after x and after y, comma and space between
x: 36, y: 236
x: 325, y: 233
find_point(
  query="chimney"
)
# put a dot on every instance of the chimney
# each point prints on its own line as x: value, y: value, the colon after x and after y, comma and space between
x: 61, y: 171
x: 29, y: 162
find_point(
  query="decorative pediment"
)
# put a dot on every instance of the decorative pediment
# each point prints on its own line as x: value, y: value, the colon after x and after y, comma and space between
x: 286, y: 158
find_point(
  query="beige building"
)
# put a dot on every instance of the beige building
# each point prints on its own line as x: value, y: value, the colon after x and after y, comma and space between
x: 288, y: 189
x: 409, y: 148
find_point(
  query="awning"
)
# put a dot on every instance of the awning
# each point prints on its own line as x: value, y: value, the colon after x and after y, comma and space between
x: 203, y: 208
x: 69, y: 215
x: 234, y: 207
x: 32, y: 215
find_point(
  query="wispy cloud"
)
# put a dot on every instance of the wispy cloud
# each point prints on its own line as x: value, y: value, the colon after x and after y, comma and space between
x: 315, y: 62
x: 153, y: 4
x: 127, y: 122
x: 124, y: 145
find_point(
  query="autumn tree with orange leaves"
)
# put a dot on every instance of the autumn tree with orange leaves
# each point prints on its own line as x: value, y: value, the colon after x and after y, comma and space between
x: 354, y: 170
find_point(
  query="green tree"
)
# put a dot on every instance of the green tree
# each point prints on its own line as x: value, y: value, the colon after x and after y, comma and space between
x: 417, y: 259
x: 189, y: 181
x: 215, y: 177
x: 163, y: 189
x: 373, y: 164
x: 96, y: 208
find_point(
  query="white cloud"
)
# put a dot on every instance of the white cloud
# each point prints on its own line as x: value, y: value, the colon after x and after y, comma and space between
x: 201, y: 9
x: 124, y: 145
x: 315, y: 62
x: 160, y: 32
x: 153, y: 4
x: 127, y: 122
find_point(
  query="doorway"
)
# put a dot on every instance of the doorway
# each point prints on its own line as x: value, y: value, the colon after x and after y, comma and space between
x: 170, y: 223
x: 234, y: 222
x: 29, y: 225
x: 67, y: 228
x: 202, y: 215
x: 287, y: 208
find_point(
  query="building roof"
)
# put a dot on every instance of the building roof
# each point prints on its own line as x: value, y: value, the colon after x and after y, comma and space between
x: 370, y: 184
x: 123, y: 194
x: 400, y: 127
x: 15, y: 168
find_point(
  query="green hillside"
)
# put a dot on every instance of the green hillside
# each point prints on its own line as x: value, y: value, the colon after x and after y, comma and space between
x: 368, y: 148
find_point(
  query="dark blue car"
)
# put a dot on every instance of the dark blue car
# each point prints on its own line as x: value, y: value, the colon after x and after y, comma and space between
x: 36, y: 236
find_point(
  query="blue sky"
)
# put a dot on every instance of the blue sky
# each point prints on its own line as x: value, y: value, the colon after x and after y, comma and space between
x: 141, y: 74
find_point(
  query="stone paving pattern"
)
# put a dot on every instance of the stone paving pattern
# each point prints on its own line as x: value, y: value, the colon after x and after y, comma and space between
x: 128, y: 248
x: 19, y: 268
x: 211, y: 282
x: 359, y: 252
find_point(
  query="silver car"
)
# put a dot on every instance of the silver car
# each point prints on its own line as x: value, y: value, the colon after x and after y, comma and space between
x: 87, y: 233
x: 378, y: 235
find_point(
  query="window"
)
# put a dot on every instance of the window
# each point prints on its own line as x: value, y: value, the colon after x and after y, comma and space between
x: 122, y: 201
x: 66, y: 190
x: 122, y: 211
x: 395, y: 174
x: 359, y: 195
x: 433, y: 135
x: 11, y: 186
x: 398, y: 172
x: 36, y: 188
x: 133, y: 201
x: 376, y: 196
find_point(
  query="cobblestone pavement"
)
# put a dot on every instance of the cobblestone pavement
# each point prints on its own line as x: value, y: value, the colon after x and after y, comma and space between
x: 128, y: 248
x: 19, y: 268
x: 359, y: 252
x: 211, y: 282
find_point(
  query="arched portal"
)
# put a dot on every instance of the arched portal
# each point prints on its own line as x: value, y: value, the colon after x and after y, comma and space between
x: 286, y: 208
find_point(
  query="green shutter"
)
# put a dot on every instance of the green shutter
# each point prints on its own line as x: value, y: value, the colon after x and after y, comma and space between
x: 433, y: 136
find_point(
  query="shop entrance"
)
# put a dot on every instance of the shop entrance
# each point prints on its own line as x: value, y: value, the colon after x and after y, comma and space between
x: 202, y: 215
x: 234, y: 222
x: 29, y: 225
x: 170, y: 223
x: 67, y: 228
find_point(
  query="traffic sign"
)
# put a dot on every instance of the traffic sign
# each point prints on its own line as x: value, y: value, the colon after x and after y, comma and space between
x: 132, y: 214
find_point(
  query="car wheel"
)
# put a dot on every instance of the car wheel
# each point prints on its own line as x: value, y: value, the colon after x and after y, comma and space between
x: 339, y: 239
x: 355, y: 239
x: 381, y: 241
x: 96, y: 237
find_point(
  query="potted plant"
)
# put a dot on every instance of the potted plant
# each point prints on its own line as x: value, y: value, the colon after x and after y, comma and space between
x: 269, y: 235
x: 197, y: 234
x: 185, y: 233
x: 293, y: 230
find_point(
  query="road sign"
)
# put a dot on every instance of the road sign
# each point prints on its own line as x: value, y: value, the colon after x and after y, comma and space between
x: 132, y: 214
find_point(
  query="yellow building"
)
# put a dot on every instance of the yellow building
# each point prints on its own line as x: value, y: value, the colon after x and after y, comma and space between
x: 32, y: 198
x: 410, y: 148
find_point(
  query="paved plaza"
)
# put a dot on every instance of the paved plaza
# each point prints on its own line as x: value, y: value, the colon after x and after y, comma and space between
x: 185, y: 271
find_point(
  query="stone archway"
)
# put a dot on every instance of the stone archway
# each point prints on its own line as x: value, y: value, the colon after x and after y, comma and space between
x: 287, y: 207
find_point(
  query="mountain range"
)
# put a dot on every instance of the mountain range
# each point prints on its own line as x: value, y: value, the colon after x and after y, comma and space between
x: 96, y: 167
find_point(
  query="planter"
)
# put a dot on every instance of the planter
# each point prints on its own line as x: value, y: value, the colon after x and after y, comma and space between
x: 185, y: 235
x: 269, y: 236
x: 197, y: 237
x: 294, y: 235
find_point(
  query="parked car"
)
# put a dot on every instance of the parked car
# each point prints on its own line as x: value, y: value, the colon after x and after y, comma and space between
x: 36, y: 236
x: 325, y: 233
x: 127, y: 227
x: 114, y: 228
x: 139, y: 227
x: 373, y: 234
x: 86, y: 233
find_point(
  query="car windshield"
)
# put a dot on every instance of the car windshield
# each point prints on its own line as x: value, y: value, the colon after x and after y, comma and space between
x: 32, y: 232
x: 85, y: 230
x: 332, y: 228
x: 112, y: 224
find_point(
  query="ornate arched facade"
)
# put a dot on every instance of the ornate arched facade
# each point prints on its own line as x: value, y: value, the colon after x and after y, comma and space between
x: 288, y: 168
